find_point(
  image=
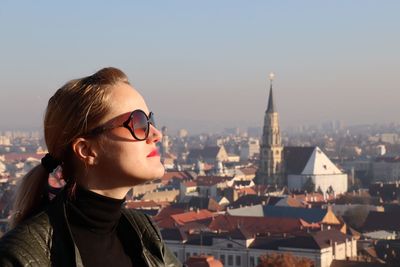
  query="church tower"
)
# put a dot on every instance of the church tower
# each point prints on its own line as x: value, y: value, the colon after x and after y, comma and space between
x: 164, y: 142
x: 270, y: 166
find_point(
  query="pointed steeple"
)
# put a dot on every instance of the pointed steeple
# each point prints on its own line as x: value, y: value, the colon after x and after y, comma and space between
x: 271, y: 106
x: 270, y: 164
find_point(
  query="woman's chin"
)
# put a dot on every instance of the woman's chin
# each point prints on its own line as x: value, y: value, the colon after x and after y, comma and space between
x: 159, y: 172
x: 153, y: 173
x: 156, y: 172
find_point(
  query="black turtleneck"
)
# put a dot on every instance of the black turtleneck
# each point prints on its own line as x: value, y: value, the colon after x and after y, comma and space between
x: 93, y: 219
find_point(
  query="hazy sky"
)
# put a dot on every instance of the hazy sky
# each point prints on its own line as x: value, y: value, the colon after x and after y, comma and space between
x: 204, y: 65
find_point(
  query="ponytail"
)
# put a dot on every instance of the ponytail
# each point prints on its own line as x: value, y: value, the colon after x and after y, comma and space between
x: 30, y: 196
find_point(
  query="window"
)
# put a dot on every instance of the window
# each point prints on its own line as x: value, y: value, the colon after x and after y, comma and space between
x: 194, y: 253
x: 187, y: 255
x: 238, y: 260
x: 229, y: 245
x: 222, y: 258
x: 252, y: 261
x: 230, y: 260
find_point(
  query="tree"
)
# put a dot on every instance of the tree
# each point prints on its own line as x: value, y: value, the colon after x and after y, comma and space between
x: 319, y: 190
x: 330, y: 190
x: 309, y: 186
x: 284, y: 260
x: 354, y: 183
x: 356, y: 216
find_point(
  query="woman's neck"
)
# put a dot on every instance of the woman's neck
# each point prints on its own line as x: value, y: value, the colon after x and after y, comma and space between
x: 116, y: 193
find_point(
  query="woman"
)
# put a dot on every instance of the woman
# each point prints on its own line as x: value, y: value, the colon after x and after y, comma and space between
x: 100, y: 132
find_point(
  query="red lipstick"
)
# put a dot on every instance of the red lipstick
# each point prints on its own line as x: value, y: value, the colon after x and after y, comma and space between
x: 153, y: 153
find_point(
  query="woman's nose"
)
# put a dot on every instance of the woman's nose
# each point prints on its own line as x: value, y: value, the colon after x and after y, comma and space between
x: 154, y: 136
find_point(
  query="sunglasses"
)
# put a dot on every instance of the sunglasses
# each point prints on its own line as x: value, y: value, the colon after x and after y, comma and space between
x: 137, y: 122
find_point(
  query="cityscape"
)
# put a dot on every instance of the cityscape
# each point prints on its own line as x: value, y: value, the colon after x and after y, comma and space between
x: 321, y: 196
x: 279, y: 120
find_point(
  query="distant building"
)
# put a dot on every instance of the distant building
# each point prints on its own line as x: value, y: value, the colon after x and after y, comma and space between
x: 380, y: 235
x: 168, y: 196
x: 249, y: 149
x: 247, y: 173
x: 165, y: 143
x: 305, y: 165
x: 387, y: 192
x: 390, y: 138
x: 241, y: 248
x: 387, y: 221
x: 310, y: 215
x: 386, y: 169
x: 3, y: 168
x: 167, y: 158
x: 270, y: 169
x: 381, y: 150
x: 169, y: 161
x: 233, y: 158
x: 5, y: 141
x: 182, y: 133
x: 142, y: 189
x: 209, y: 154
x: 208, y: 185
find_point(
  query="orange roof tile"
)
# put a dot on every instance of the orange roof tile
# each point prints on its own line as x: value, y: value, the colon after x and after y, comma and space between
x: 176, y: 174
x: 167, y: 212
x: 203, y: 261
x: 142, y: 204
x: 191, y: 216
x: 190, y: 184
x: 211, y: 180
x: 249, y: 170
x: 294, y: 202
x: 246, y: 191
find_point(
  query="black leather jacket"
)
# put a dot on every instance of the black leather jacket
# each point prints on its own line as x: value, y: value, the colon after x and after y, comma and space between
x: 46, y: 240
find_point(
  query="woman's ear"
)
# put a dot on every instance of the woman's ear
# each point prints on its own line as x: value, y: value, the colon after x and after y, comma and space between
x: 85, y: 151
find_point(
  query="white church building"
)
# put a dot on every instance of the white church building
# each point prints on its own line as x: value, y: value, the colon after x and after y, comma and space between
x: 305, y: 163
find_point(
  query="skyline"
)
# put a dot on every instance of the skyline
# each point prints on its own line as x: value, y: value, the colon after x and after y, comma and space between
x: 205, y: 66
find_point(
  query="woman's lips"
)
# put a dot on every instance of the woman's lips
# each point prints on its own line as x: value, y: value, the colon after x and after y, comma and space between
x: 153, y: 153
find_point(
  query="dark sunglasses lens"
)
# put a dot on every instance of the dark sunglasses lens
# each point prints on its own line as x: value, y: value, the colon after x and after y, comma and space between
x: 139, y: 125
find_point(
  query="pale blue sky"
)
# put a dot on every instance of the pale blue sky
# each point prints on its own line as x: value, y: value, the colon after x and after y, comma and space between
x: 204, y: 64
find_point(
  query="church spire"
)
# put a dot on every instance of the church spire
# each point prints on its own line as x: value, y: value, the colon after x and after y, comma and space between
x: 271, y: 106
x: 270, y: 165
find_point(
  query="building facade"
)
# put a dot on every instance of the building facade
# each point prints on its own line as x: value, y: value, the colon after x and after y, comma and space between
x: 241, y: 251
x: 310, y: 164
x: 385, y: 169
x: 270, y: 165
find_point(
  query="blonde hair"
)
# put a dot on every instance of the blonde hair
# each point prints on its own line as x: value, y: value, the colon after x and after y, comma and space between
x: 72, y: 111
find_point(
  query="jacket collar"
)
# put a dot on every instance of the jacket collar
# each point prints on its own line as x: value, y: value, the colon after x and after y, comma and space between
x: 133, y: 229
x: 64, y: 251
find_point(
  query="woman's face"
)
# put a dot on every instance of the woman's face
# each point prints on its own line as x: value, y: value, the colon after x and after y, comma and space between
x: 123, y: 160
